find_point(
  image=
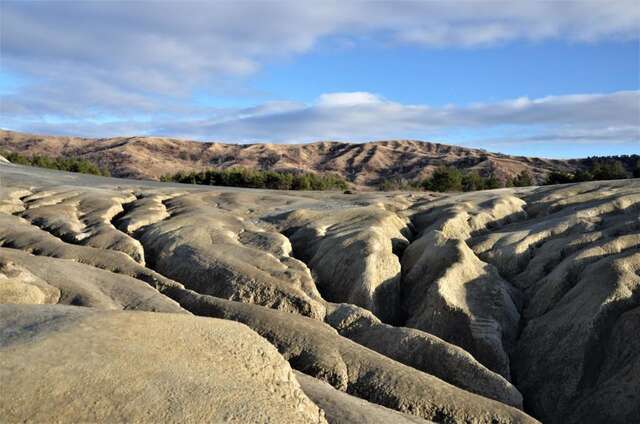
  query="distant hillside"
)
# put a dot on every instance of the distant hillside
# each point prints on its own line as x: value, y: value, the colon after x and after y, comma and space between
x: 365, y: 164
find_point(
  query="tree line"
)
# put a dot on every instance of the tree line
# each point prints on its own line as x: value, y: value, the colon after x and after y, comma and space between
x: 60, y: 163
x: 616, y: 168
x: 256, y: 178
x: 452, y: 179
x: 449, y: 178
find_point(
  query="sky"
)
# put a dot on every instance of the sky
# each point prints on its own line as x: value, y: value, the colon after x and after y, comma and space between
x: 537, y: 78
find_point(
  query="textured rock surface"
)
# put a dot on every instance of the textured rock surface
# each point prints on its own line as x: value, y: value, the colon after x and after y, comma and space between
x: 316, y: 349
x: 17, y: 233
x: 451, y: 293
x: 72, y: 283
x: 540, y: 285
x: 575, y: 348
x: 578, y: 261
x: 83, y: 217
x: 342, y: 408
x: 19, y: 285
x: 145, y: 211
x: 422, y: 351
x: 351, y: 253
x: 215, y: 252
x: 71, y: 364
x: 10, y: 198
x: 611, y: 392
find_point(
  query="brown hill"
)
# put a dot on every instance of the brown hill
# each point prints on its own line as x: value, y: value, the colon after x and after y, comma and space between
x: 365, y: 164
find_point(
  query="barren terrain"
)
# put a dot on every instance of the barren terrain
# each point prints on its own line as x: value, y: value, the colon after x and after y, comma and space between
x: 125, y: 300
x: 364, y: 165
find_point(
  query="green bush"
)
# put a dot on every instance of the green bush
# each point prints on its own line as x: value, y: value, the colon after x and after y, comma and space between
x: 559, y: 178
x: 451, y: 179
x: 399, y: 184
x: 255, y: 178
x: 609, y: 170
x: 60, y: 163
x: 472, y: 181
x: 492, y: 182
x: 444, y: 179
x: 612, y: 168
x: 523, y: 179
x: 582, y: 175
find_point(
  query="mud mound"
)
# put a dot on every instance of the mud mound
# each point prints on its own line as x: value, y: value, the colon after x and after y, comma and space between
x: 127, y: 367
x: 483, y: 307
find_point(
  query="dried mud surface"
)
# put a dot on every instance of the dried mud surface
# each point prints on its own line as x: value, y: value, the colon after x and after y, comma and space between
x: 501, y: 306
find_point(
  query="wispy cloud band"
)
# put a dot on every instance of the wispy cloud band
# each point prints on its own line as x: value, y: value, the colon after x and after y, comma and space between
x: 362, y: 116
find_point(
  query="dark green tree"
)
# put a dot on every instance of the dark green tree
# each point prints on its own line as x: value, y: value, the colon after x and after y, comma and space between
x: 472, y: 181
x: 444, y: 179
x: 556, y: 177
x: 255, y: 178
x: 492, y: 182
x: 609, y: 170
x: 523, y: 179
x: 63, y: 164
x: 581, y: 175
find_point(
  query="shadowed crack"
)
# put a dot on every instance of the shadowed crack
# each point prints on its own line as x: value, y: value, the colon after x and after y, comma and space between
x: 354, y: 254
x: 141, y: 212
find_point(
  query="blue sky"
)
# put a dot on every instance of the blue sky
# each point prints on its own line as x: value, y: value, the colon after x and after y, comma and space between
x: 414, y: 74
x: 553, y: 79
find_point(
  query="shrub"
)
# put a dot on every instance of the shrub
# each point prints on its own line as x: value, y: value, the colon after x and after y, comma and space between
x: 254, y: 178
x: 444, y: 179
x: 472, y: 181
x: 559, y: 178
x: 493, y: 182
x: 451, y: 179
x: 581, y: 175
x: 609, y: 170
x: 598, y: 169
x: 523, y: 179
x: 60, y: 163
x: 399, y: 184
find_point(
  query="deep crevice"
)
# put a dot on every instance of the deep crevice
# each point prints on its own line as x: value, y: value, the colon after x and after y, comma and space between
x: 126, y: 208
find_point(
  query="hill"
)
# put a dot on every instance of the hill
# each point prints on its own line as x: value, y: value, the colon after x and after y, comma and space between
x: 364, y: 164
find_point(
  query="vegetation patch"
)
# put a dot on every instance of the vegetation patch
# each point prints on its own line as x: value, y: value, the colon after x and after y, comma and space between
x: 448, y: 178
x: 597, y: 168
x: 254, y: 178
x: 82, y: 166
x: 452, y: 179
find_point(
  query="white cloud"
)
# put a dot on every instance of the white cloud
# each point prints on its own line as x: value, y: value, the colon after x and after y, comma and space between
x: 361, y: 116
x: 139, y: 63
x: 629, y: 135
x: 167, y: 48
x: 356, y: 98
